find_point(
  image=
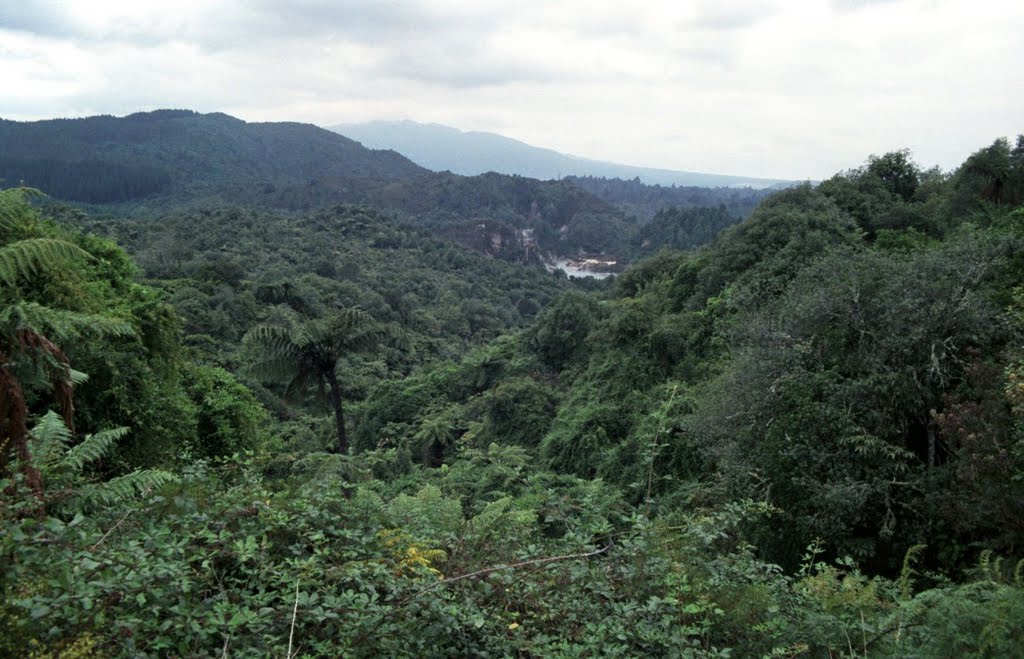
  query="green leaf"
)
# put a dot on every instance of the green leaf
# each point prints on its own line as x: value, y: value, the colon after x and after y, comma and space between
x: 39, y: 611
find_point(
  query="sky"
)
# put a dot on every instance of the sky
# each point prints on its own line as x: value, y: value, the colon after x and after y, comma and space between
x: 772, y: 88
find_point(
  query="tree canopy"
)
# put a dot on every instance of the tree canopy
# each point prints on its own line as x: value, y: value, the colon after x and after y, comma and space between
x: 805, y: 438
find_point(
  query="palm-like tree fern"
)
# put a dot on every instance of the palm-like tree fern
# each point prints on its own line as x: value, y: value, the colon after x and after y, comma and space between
x: 26, y: 329
x: 308, y: 353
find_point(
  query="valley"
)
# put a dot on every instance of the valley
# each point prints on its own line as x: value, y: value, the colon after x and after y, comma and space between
x: 260, y: 383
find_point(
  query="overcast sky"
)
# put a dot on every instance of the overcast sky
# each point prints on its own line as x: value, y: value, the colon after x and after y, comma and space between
x: 770, y: 88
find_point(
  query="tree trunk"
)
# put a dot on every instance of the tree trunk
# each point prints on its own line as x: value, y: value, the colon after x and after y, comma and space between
x: 339, y: 416
x: 931, y: 447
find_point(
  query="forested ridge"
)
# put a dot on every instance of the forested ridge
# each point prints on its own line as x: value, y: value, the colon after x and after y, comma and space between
x: 332, y: 432
x: 151, y: 164
x: 645, y: 201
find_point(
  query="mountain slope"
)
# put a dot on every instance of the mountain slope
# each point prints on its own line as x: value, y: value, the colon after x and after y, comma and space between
x: 511, y: 217
x: 107, y: 159
x: 440, y: 148
x: 148, y: 164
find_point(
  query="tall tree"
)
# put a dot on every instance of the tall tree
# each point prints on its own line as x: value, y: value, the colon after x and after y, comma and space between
x: 308, y: 353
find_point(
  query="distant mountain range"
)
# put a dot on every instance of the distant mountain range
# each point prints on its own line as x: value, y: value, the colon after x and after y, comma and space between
x: 152, y: 163
x: 442, y: 148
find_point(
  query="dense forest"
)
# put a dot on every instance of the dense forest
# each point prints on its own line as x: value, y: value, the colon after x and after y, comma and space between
x: 240, y: 431
x: 644, y: 202
x: 151, y: 164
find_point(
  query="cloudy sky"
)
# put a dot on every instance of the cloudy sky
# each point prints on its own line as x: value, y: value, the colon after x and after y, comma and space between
x: 775, y: 88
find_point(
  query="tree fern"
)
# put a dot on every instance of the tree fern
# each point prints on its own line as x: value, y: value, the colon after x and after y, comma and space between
x: 308, y: 353
x: 26, y: 328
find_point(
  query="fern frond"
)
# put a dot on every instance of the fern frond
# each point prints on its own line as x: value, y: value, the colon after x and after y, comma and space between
x: 302, y: 381
x: 14, y: 206
x: 273, y: 337
x: 984, y: 564
x: 50, y: 438
x: 62, y: 325
x: 25, y: 258
x: 907, y: 573
x: 272, y: 369
x: 123, y: 488
x: 93, y: 448
x: 397, y: 337
x: 501, y: 516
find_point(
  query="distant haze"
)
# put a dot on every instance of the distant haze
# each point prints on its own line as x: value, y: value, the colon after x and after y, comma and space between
x: 441, y: 148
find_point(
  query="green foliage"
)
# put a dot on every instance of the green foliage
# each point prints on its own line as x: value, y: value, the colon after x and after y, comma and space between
x: 229, y: 419
x: 308, y: 353
x: 62, y: 464
x: 558, y: 335
x: 993, y: 176
x: 125, y: 338
x: 897, y: 172
x: 971, y: 620
x: 834, y: 390
x: 24, y: 258
x: 787, y: 232
x: 803, y: 440
x: 227, y: 271
x: 518, y: 411
x: 684, y: 228
x: 645, y: 202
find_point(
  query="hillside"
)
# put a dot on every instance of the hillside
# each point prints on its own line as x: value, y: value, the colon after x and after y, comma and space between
x: 228, y: 269
x: 149, y: 164
x: 805, y: 437
x: 179, y: 154
x: 441, y: 148
x: 643, y: 201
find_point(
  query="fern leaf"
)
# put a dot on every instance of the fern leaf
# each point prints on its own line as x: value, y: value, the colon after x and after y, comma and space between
x: 270, y: 336
x: 984, y: 564
x: 26, y: 258
x: 62, y: 325
x: 123, y: 488
x: 272, y: 369
x: 14, y: 206
x: 50, y: 439
x: 906, y: 581
x: 93, y: 448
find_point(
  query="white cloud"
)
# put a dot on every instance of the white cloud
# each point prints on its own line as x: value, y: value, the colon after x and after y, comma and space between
x: 756, y: 87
